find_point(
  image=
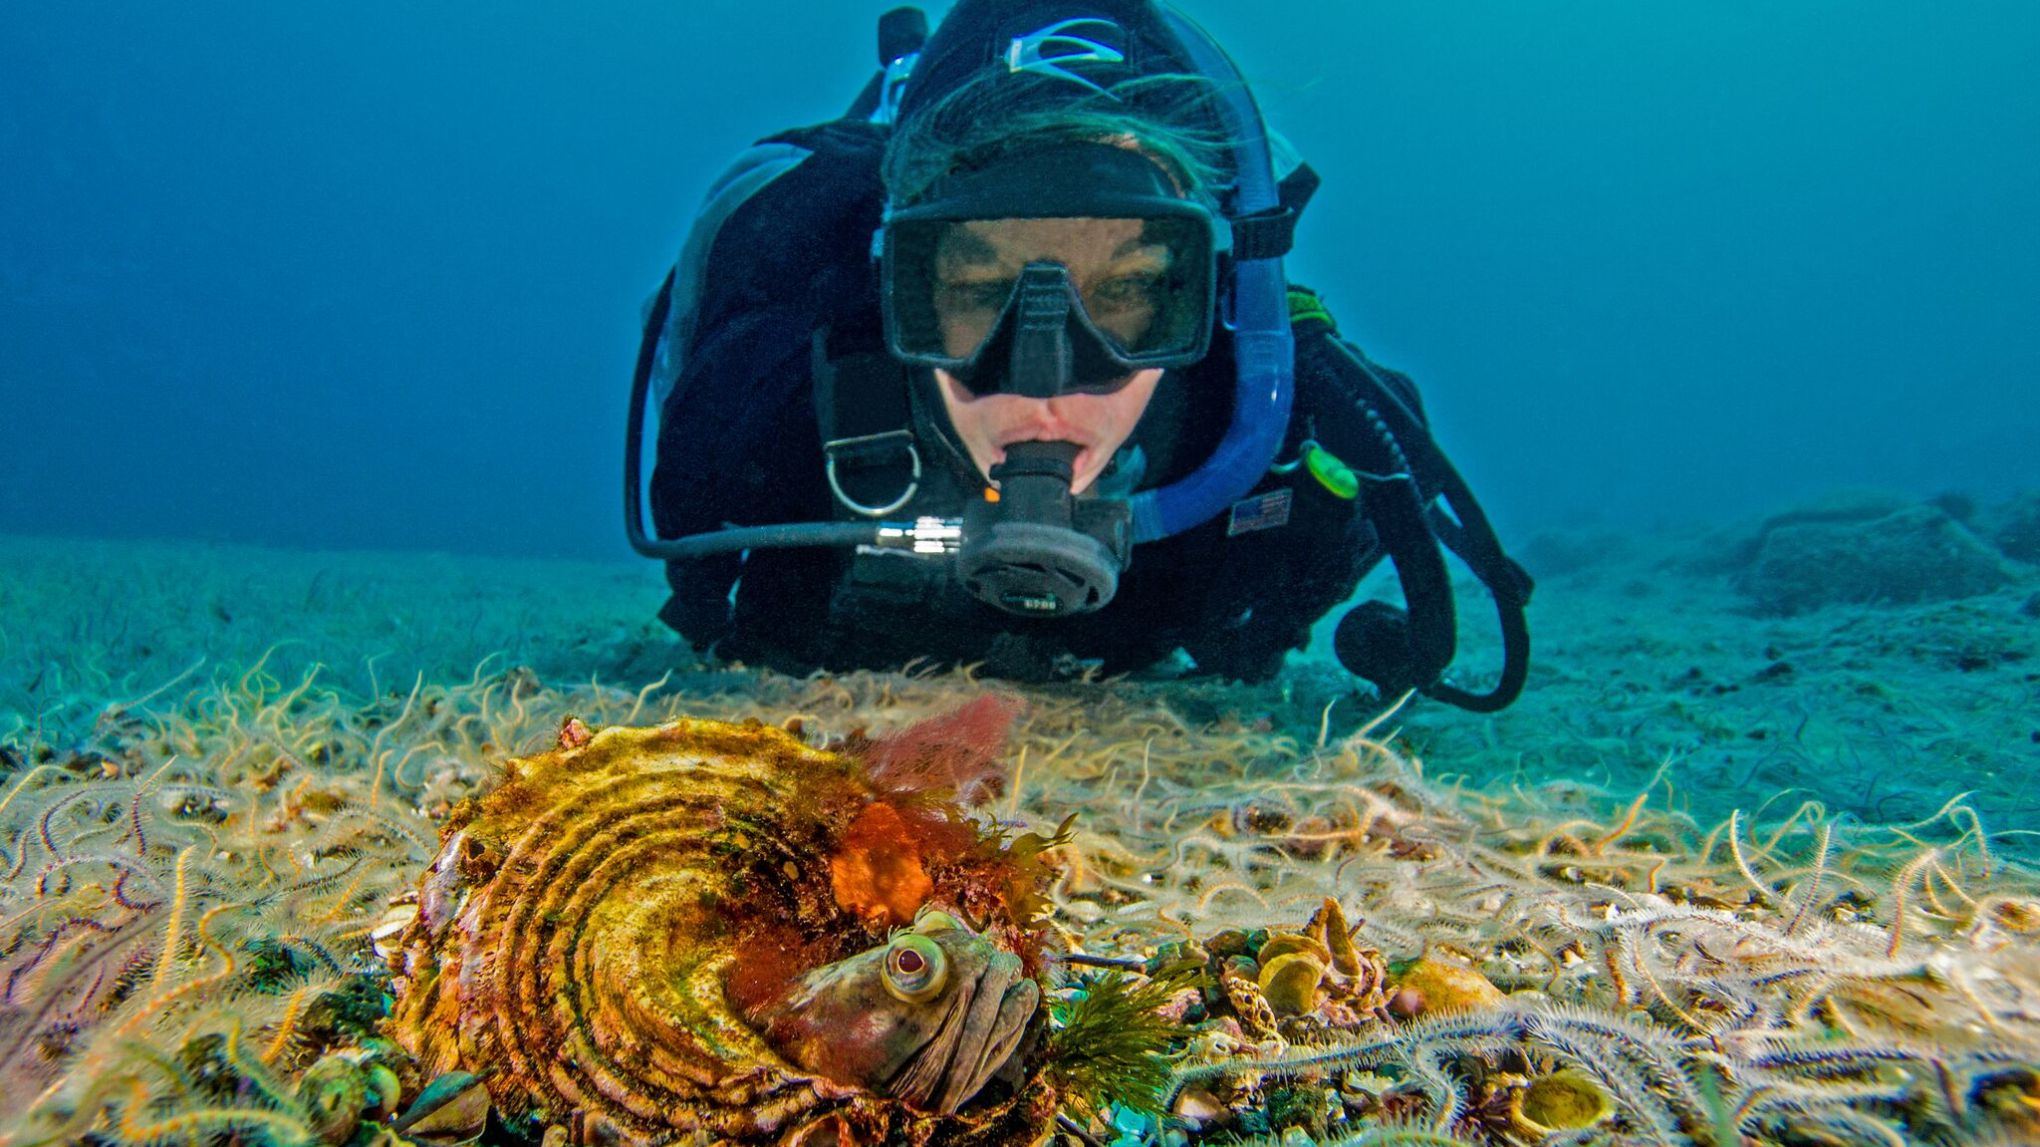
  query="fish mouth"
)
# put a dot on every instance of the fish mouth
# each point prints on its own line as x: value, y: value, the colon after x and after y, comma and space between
x: 978, y: 1034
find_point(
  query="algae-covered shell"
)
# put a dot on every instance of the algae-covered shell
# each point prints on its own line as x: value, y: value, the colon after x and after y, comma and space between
x: 452, y: 1110
x: 387, y: 936
x: 1564, y: 1100
x: 585, y: 970
x: 1291, y: 943
x: 344, y: 1090
x: 334, y: 1093
x: 1289, y: 983
x: 1447, y: 987
x: 1329, y: 925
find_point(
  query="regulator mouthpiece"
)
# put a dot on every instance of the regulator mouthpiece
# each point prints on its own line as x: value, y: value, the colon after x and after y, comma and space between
x: 1038, y: 551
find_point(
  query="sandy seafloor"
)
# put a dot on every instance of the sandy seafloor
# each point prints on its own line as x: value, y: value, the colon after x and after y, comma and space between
x: 1851, y: 959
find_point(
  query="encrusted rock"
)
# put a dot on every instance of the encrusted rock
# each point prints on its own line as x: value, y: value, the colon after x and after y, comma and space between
x: 2014, y: 526
x: 1914, y: 554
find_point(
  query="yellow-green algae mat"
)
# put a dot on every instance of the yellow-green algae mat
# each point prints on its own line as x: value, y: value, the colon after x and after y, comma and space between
x: 192, y: 901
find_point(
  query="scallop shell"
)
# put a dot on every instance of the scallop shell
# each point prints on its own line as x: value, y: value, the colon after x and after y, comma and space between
x: 603, y: 892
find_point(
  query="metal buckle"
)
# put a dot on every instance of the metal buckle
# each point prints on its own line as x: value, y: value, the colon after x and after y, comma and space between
x: 864, y: 448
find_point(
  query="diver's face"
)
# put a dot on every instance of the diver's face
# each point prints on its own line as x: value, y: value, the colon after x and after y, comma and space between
x: 1115, y: 272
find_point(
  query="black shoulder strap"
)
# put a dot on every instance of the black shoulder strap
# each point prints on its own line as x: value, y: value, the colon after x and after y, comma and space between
x: 862, y: 411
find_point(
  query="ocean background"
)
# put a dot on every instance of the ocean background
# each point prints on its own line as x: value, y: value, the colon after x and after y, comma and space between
x: 316, y: 328
x: 368, y: 274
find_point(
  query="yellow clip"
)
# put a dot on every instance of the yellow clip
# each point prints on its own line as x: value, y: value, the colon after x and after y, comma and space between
x: 1331, y: 473
x: 1306, y: 307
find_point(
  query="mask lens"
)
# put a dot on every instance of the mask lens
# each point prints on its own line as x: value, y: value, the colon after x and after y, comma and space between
x: 1149, y: 300
x: 1144, y: 284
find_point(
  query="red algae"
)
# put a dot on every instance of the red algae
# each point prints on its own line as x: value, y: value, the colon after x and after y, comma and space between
x: 961, y: 752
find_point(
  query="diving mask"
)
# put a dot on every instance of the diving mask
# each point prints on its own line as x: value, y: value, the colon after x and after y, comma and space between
x: 1062, y: 271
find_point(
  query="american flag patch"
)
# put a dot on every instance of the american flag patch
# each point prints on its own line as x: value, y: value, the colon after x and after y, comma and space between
x: 1263, y: 513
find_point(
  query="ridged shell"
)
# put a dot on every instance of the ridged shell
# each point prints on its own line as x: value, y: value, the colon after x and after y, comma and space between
x: 591, y: 910
x: 586, y: 964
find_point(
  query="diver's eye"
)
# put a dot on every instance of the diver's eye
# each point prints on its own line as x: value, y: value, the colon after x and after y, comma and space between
x: 915, y: 969
x: 1138, y: 289
x: 973, y: 296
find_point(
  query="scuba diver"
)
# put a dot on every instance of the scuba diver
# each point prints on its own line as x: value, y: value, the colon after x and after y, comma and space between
x: 1001, y: 368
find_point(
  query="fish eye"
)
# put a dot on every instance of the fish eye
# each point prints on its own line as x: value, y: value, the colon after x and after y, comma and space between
x: 915, y: 969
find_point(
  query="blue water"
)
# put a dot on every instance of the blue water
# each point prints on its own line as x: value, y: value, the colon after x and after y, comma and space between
x: 368, y: 274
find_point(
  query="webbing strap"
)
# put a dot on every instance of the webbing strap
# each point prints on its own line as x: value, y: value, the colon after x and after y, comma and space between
x: 874, y: 467
x: 1272, y: 234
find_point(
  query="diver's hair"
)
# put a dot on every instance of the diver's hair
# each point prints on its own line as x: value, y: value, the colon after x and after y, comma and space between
x: 1172, y: 118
